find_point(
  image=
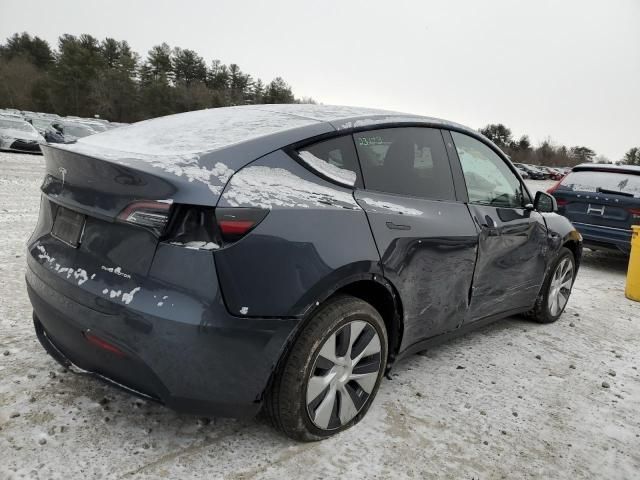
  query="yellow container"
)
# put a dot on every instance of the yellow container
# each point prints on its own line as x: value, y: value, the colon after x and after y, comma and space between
x: 633, y: 274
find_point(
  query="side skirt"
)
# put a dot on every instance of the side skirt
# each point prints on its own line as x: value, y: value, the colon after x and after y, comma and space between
x: 442, y: 338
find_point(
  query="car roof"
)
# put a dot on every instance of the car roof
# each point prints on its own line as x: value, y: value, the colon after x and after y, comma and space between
x: 603, y: 167
x: 203, y: 131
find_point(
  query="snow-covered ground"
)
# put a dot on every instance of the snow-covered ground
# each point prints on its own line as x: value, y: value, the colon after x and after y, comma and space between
x: 513, y: 400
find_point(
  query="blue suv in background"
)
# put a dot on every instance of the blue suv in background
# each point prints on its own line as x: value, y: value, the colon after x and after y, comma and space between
x: 603, y: 202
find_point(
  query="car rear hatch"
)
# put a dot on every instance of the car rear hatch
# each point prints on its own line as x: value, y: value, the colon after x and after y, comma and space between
x: 608, y: 199
x: 113, y: 202
x: 112, y: 213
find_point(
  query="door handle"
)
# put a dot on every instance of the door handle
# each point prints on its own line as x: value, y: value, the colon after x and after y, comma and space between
x: 395, y: 226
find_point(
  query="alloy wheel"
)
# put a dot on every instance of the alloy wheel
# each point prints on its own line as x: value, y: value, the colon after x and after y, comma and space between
x: 560, y: 287
x: 344, y: 374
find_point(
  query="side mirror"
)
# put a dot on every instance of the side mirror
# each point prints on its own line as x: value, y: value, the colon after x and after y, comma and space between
x: 545, y: 203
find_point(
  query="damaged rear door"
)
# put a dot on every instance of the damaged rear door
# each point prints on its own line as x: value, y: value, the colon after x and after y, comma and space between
x: 425, y: 236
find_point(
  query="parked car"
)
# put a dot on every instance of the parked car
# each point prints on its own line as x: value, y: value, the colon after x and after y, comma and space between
x: 19, y: 135
x: 550, y: 172
x: 284, y: 256
x: 532, y: 171
x: 45, y: 127
x: 72, y: 131
x: 41, y: 124
x: 523, y: 173
x: 603, y: 202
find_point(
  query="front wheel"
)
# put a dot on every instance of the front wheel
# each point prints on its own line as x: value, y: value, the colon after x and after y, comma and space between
x: 556, y: 289
x: 332, y: 373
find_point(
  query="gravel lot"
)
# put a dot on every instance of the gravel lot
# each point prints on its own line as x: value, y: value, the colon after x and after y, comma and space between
x: 512, y: 400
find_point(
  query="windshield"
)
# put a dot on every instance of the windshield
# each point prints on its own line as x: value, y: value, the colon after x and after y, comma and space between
x: 77, y: 130
x: 15, y: 125
x: 595, y: 181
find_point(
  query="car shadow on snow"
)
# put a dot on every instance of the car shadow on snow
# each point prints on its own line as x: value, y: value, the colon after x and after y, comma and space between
x: 607, y: 260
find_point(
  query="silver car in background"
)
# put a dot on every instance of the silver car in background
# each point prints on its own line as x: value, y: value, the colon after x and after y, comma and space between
x: 19, y: 135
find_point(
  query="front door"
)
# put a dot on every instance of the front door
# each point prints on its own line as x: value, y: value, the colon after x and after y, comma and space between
x: 512, y: 236
x: 426, y: 238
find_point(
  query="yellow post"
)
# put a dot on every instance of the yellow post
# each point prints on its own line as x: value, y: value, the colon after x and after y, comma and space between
x: 633, y: 274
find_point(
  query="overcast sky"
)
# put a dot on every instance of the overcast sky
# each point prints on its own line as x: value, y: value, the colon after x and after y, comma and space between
x: 566, y: 69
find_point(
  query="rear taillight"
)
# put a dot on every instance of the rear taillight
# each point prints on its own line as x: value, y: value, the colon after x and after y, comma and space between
x: 211, y: 228
x: 147, y: 213
x: 235, y: 223
x: 561, y: 201
x: 635, y: 212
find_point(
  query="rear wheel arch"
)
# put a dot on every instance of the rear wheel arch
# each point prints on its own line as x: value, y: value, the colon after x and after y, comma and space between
x: 374, y: 289
x: 381, y: 295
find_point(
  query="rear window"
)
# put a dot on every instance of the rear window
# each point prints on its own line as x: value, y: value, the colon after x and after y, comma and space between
x: 406, y: 161
x: 606, y: 182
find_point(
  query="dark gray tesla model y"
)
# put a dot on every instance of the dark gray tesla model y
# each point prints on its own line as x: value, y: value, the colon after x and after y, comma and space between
x: 283, y: 256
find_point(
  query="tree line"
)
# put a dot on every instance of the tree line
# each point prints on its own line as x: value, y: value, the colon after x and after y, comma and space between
x: 547, y: 152
x: 85, y: 76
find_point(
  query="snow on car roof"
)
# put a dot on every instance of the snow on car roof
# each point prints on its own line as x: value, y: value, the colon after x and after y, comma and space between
x: 216, y: 128
x: 194, y: 132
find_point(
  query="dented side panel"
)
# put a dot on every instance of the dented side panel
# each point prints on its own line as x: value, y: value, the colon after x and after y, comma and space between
x: 428, y: 251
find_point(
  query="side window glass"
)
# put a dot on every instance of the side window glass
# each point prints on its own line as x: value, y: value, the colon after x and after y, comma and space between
x: 489, y: 179
x: 407, y: 161
x: 335, y: 159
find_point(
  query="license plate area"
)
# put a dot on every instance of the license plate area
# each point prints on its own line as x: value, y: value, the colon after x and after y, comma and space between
x: 68, y: 226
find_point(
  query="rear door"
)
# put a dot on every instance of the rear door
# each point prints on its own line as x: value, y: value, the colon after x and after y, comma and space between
x: 512, y: 242
x: 424, y: 233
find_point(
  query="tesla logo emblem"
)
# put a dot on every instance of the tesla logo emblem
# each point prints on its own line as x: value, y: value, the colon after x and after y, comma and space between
x: 63, y: 172
x: 598, y: 210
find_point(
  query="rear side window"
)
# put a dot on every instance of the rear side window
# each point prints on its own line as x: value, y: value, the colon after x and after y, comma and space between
x: 407, y: 161
x: 606, y: 182
x: 334, y: 159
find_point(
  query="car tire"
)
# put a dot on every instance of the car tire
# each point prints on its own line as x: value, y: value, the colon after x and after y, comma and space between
x: 313, y: 394
x: 556, y: 288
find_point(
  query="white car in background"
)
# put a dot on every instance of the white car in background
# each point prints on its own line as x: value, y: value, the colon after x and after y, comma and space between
x: 18, y: 135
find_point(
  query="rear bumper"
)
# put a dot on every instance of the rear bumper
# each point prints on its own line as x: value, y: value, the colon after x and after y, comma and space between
x: 604, y: 237
x: 215, y: 365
